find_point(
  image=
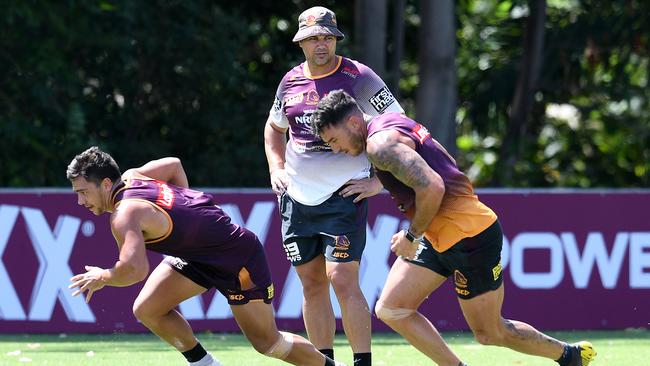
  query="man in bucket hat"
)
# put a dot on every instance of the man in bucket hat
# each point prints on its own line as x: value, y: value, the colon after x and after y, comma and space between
x: 317, y: 21
x: 322, y: 195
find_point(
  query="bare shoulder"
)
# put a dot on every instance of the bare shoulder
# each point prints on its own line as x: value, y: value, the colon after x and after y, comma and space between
x: 130, y: 213
x: 133, y: 173
x: 382, y: 140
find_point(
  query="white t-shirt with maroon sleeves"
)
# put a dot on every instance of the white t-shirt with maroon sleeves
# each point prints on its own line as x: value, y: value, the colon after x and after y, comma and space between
x: 314, y: 171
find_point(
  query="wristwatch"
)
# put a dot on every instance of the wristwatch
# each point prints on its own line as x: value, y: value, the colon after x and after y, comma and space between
x: 411, y: 237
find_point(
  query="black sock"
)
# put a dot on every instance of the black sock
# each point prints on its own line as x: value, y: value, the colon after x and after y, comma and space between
x: 328, y: 352
x: 195, y: 354
x: 363, y: 359
x: 329, y: 362
x: 566, y: 355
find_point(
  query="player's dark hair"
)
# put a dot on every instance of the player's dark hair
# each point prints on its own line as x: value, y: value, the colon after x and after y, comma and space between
x: 94, y: 165
x: 332, y: 110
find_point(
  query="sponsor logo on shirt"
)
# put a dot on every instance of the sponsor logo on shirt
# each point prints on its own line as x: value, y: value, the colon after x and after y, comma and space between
x: 293, y: 99
x: 304, y: 146
x: 421, y: 132
x: 353, y: 73
x: 305, y: 119
x: 382, y: 99
x: 270, y: 292
x: 165, y: 195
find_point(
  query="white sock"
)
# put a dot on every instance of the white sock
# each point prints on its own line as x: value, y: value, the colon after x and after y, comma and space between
x: 207, y: 360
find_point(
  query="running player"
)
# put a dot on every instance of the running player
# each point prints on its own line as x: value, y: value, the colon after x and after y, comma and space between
x: 152, y: 208
x: 321, y: 194
x: 451, y: 234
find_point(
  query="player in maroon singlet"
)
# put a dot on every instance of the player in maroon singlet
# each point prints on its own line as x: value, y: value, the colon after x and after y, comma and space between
x: 152, y: 208
x: 451, y: 234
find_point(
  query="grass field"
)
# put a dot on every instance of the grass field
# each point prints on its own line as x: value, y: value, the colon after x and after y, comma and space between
x: 620, y: 348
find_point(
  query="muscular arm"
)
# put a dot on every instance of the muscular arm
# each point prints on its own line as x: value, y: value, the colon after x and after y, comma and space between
x: 127, y: 227
x: 392, y: 152
x: 132, y: 265
x: 275, y: 145
x: 169, y: 170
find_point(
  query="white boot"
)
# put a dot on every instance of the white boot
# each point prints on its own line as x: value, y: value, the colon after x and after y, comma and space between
x: 207, y: 360
x: 215, y: 362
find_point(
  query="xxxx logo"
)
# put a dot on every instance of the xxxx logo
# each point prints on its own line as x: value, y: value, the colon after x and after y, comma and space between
x: 53, y: 246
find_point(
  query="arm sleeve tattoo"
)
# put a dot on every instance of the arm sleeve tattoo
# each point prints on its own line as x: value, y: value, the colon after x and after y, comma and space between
x: 401, y: 161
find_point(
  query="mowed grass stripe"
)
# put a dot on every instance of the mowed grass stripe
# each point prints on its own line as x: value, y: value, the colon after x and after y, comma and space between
x: 615, y: 348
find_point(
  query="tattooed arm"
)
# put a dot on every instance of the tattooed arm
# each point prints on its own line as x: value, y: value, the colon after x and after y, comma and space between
x: 395, y: 153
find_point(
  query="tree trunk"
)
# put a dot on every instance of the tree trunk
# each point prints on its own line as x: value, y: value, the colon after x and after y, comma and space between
x: 437, y: 93
x: 397, y: 47
x: 370, y: 29
x: 522, y: 99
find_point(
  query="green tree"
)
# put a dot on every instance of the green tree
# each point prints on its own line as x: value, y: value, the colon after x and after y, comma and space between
x: 588, y: 122
x: 141, y: 79
x: 196, y: 80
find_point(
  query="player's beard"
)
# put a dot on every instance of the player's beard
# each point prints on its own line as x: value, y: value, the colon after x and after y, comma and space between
x: 358, y: 143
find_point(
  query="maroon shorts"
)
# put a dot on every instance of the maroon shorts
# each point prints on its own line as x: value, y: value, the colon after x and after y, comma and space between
x: 252, y: 282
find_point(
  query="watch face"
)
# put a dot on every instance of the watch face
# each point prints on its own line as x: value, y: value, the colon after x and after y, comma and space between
x: 410, y: 236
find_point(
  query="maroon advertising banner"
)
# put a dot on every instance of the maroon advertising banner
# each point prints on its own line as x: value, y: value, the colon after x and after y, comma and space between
x: 571, y: 259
